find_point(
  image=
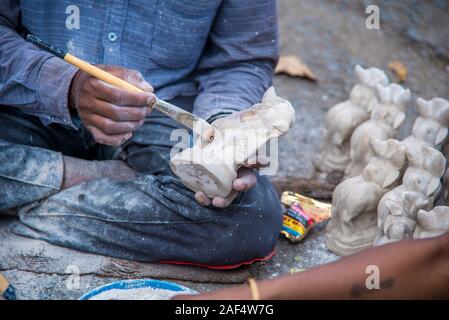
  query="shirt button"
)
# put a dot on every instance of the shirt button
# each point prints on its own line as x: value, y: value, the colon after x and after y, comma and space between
x: 112, y: 36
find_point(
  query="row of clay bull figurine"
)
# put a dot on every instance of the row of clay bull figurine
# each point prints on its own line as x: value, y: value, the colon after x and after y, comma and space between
x: 390, y: 187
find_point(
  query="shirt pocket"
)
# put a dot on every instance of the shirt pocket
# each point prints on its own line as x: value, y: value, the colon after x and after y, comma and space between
x: 180, y: 31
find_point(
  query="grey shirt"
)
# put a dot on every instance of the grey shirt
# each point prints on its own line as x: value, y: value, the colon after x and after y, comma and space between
x: 221, y: 51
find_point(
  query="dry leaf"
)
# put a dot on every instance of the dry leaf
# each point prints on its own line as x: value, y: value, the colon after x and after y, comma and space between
x: 399, y: 70
x: 293, y: 66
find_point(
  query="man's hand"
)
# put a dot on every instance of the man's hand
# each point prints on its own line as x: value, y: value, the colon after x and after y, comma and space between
x: 111, y: 114
x: 246, y: 180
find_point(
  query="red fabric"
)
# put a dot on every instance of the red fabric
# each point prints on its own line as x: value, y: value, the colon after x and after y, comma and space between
x: 224, y: 267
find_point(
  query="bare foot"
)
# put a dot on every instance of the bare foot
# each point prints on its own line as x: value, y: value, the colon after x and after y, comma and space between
x: 77, y: 171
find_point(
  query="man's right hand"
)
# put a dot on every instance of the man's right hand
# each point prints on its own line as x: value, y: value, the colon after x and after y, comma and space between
x: 109, y: 113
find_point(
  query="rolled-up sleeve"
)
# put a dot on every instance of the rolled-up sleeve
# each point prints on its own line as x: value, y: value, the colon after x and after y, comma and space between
x: 31, y: 79
x: 239, y: 57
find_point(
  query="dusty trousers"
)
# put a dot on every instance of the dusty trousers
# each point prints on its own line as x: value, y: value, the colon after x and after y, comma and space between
x: 151, y: 218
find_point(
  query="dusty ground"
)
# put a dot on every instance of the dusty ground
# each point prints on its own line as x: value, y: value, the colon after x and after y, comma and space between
x: 330, y: 36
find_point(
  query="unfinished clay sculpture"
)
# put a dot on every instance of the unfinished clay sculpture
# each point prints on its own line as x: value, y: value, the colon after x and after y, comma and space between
x: 344, y: 117
x: 212, y: 167
x: 387, y: 116
x: 432, y: 223
x: 353, y: 226
x: 398, y: 209
x: 431, y: 126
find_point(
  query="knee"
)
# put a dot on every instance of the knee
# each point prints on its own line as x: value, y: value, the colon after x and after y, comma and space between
x: 255, y: 226
x: 263, y: 227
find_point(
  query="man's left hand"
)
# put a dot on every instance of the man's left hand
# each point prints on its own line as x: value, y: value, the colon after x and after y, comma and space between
x: 246, y: 179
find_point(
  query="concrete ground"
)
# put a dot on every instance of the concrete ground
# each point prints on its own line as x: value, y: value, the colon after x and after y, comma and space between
x: 330, y: 36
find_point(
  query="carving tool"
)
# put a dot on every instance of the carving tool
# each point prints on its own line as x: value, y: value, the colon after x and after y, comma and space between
x: 6, y: 290
x: 197, y: 124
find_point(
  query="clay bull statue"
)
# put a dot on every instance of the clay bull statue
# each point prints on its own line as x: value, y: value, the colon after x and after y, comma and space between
x: 239, y: 137
x: 353, y: 226
x: 386, y: 118
x: 342, y: 119
x: 432, y: 223
x: 397, y: 210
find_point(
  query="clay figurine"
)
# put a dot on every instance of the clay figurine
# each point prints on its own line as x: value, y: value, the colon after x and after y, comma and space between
x: 344, y: 117
x: 387, y: 116
x: 430, y: 127
x: 432, y: 223
x: 353, y: 225
x: 212, y: 167
x: 397, y: 214
x: 398, y: 209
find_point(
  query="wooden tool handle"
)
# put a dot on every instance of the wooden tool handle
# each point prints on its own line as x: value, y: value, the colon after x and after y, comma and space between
x: 101, y: 74
x: 3, y: 284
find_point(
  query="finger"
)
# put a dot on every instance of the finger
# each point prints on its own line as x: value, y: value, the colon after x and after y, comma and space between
x: 202, y: 199
x: 224, y: 202
x: 136, y: 78
x: 120, y: 113
x: 120, y: 97
x: 132, y: 76
x: 110, y: 140
x: 111, y: 127
x: 246, y: 180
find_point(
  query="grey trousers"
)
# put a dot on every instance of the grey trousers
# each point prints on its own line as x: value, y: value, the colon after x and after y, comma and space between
x: 151, y: 218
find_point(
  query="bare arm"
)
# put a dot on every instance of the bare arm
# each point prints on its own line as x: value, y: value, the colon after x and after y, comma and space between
x: 417, y: 269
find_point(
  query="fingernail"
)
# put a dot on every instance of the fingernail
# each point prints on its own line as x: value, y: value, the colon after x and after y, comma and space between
x: 151, y: 99
x: 238, y: 185
x: 218, y: 202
